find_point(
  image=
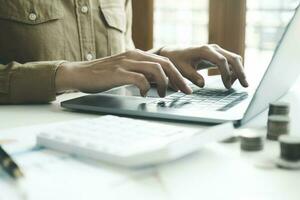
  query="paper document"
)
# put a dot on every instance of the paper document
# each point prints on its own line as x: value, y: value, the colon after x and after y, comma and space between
x: 54, y: 175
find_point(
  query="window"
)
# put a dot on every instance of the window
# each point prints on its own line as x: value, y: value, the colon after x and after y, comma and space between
x: 186, y: 22
x: 266, y: 22
x: 180, y: 22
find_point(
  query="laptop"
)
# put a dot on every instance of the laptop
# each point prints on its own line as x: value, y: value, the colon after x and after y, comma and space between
x: 212, y: 104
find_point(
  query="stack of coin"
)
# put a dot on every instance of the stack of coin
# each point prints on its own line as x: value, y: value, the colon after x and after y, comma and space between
x: 289, y: 152
x: 279, y: 108
x: 290, y: 148
x: 277, y: 125
x: 251, y: 141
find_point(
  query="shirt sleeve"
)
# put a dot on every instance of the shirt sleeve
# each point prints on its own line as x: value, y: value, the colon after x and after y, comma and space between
x: 128, y: 33
x: 32, y: 82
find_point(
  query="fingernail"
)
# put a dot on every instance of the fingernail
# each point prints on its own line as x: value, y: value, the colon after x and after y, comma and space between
x: 247, y: 83
x: 143, y: 93
x: 189, y: 90
x: 229, y: 84
x: 162, y: 94
x: 200, y: 83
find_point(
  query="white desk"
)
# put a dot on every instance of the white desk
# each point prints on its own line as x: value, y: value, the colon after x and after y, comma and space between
x: 219, y: 171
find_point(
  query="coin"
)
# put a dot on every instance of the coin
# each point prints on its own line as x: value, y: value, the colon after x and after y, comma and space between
x: 290, y: 148
x: 279, y: 108
x: 277, y: 125
x: 251, y: 141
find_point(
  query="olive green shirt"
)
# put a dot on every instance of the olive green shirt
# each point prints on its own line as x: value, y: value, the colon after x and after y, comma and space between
x: 36, y: 36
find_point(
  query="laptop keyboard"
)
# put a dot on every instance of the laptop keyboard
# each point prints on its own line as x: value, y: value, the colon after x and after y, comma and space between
x: 204, y: 99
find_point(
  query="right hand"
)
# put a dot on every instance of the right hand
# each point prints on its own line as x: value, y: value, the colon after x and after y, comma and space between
x: 133, y: 67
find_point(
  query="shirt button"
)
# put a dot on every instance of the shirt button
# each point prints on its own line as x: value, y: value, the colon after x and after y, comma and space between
x: 32, y: 17
x: 84, y: 9
x: 89, y: 56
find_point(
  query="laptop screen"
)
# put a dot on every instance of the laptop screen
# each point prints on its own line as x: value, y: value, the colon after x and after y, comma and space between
x: 282, y: 71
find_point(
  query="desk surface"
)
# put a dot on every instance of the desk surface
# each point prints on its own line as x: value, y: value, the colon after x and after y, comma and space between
x: 217, y: 171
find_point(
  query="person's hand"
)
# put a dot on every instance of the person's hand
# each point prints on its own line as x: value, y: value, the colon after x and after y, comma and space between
x: 186, y: 61
x: 133, y: 67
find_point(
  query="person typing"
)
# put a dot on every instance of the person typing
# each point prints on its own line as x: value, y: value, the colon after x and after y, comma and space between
x: 50, y: 47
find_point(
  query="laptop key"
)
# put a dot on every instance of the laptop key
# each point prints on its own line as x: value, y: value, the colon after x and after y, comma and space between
x: 208, y: 99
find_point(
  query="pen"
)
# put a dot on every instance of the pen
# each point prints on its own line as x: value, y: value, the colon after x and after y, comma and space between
x: 9, y: 166
x: 13, y: 170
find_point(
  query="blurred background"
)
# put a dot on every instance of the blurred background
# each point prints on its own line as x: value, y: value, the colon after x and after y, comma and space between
x: 186, y: 22
x: 246, y: 27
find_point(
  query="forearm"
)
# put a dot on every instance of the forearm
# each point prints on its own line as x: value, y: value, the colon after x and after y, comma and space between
x: 32, y: 82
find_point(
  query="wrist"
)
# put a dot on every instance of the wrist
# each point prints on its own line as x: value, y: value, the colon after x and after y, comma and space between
x: 62, y: 77
x: 166, y: 51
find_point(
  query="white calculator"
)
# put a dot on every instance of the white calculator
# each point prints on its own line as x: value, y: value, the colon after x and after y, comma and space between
x: 129, y: 142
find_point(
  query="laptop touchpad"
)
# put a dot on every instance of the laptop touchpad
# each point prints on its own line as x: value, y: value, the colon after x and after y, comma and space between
x: 131, y: 90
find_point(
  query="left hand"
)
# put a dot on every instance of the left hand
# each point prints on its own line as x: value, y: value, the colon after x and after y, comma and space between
x: 229, y: 64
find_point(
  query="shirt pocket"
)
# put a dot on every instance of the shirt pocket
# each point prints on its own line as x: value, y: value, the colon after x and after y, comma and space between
x: 114, y: 16
x: 31, y: 30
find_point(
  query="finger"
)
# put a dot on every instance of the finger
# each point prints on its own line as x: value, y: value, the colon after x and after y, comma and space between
x: 169, y: 68
x: 133, y: 78
x: 173, y: 86
x: 222, y: 65
x: 233, y: 79
x: 236, y: 63
x: 192, y: 74
x: 151, y: 70
x: 208, y: 53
